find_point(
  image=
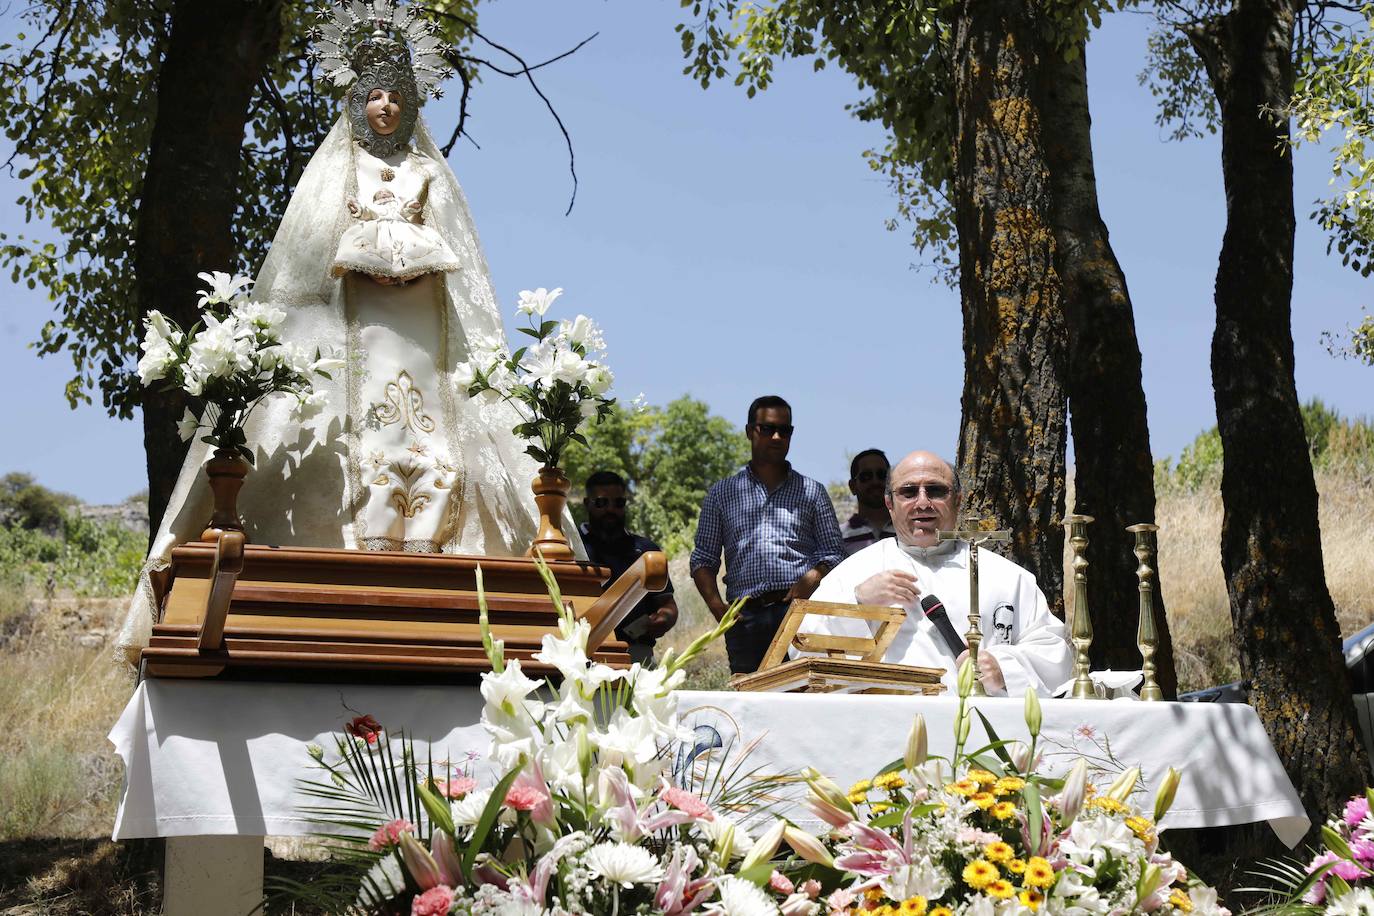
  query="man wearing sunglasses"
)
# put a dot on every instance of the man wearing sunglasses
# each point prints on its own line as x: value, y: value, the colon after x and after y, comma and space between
x: 1024, y: 645
x: 868, y: 482
x: 608, y: 543
x: 778, y: 532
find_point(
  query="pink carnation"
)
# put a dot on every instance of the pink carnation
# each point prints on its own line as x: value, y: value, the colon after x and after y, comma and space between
x: 811, y: 888
x: 780, y: 883
x: 1363, y: 850
x: 841, y: 898
x: 525, y: 797
x: 389, y: 834
x: 686, y: 801
x: 1356, y: 810
x: 456, y: 787
x: 433, y: 902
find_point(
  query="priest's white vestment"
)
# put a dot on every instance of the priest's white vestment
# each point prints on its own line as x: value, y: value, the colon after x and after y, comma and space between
x: 1018, y: 629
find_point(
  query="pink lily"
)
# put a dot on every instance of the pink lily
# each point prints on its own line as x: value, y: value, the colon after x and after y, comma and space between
x: 446, y: 858
x: 419, y: 863
x: 678, y: 892
x: 630, y: 822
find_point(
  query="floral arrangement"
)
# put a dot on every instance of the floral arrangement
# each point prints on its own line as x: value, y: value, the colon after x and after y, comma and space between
x: 1338, y: 878
x: 982, y: 834
x: 229, y: 362
x: 583, y: 817
x: 555, y: 384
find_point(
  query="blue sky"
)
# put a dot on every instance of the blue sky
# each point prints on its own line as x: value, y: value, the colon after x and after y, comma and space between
x: 734, y: 247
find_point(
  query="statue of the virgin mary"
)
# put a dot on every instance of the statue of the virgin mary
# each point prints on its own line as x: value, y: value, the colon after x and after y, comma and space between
x: 377, y: 257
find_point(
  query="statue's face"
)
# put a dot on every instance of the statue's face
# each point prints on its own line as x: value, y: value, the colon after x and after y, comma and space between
x: 384, y: 111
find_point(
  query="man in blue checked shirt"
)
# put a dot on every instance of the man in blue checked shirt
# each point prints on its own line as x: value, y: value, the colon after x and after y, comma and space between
x: 778, y: 531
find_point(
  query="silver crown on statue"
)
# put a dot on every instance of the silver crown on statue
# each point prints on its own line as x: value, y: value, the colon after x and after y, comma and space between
x: 380, y: 44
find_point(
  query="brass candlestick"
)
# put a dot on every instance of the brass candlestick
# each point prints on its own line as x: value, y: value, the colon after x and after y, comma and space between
x: 974, y: 637
x: 1147, y: 637
x: 1082, y: 622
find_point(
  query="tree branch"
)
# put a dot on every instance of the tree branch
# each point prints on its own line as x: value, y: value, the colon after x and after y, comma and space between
x: 273, y: 96
x: 527, y: 72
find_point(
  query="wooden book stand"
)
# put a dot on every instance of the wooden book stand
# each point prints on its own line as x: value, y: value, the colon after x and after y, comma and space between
x: 235, y: 609
x: 849, y: 664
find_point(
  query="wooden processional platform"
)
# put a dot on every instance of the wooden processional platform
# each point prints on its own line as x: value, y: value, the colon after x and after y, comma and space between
x: 232, y: 609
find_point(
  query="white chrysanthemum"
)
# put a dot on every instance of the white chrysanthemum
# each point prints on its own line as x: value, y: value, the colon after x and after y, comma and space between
x: 623, y: 864
x: 738, y: 897
x: 922, y: 878
x: 715, y: 828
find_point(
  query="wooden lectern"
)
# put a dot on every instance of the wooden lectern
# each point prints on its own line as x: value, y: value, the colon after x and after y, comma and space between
x: 843, y: 664
x: 234, y: 609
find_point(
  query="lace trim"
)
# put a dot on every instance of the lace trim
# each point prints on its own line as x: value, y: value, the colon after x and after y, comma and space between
x: 415, y: 545
x: 342, y: 266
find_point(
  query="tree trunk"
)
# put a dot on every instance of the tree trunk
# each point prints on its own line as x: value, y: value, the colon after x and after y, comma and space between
x: 1013, y: 432
x: 1285, y: 625
x: 216, y: 53
x: 1113, y: 470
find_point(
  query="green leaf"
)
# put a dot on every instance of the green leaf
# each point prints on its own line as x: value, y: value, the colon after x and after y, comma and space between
x: 484, y: 823
x: 438, y: 809
x: 1035, y: 817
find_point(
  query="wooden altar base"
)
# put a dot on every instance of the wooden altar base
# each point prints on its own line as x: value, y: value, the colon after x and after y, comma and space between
x: 283, y: 613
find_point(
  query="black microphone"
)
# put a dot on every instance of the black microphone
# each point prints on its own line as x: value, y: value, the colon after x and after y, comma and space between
x: 936, y: 614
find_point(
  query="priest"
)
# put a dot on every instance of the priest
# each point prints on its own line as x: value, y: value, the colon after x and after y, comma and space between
x: 1024, y: 645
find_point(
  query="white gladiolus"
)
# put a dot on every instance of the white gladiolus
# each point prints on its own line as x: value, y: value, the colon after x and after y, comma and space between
x: 464, y: 375
x: 157, y: 358
x: 261, y: 315
x: 537, y: 302
x: 583, y: 332
x: 310, y: 405
x: 327, y: 364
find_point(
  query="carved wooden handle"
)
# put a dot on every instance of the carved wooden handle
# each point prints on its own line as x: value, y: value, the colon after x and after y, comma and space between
x: 647, y: 574
x: 223, y: 574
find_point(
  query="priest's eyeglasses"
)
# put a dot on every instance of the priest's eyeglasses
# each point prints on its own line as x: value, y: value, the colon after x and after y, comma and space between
x: 601, y: 502
x: 913, y: 490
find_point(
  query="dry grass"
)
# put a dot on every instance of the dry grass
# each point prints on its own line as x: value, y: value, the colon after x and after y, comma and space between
x: 59, y: 777
x: 1194, y: 588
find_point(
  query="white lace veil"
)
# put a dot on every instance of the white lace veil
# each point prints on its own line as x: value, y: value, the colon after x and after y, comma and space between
x: 301, y: 490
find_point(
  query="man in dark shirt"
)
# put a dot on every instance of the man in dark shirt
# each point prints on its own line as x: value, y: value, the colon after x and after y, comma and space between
x: 868, y: 482
x: 609, y: 544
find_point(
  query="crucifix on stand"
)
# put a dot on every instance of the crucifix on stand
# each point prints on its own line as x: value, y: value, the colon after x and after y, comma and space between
x: 975, y: 538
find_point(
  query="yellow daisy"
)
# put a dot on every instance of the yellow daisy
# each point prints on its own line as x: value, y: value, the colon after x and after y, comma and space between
x: 1003, y: 811
x: 941, y: 911
x: 979, y: 873
x: 890, y: 781
x: 1140, y: 826
x: 1001, y: 889
x: 1180, y: 900
x: 982, y: 777
x: 984, y: 800
x: 862, y: 785
x: 879, y: 807
x: 1016, y: 867
x: 1039, y: 873
x: 1108, y: 804
x: 857, y: 798
x: 1008, y: 784
x: 963, y: 787
x: 999, y: 852
x: 1031, y: 900
x: 913, y: 906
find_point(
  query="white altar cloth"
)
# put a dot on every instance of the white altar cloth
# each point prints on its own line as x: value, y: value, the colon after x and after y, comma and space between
x: 224, y: 758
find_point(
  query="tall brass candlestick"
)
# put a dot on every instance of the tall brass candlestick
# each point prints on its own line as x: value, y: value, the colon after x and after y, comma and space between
x: 974, y: 637
x: 1146, y: 636
x: 1082, y: 622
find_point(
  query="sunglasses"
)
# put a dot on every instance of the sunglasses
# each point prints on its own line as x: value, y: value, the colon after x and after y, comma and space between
x: 866, y: 476
x: 933, y: 491
x: 768, y: 430
x: 601, y: 502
